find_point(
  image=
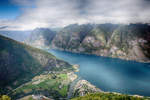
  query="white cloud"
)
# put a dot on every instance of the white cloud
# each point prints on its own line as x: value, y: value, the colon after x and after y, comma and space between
x: 59, y: 13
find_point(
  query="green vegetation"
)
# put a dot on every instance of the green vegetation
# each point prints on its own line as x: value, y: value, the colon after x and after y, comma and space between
x: 5, y: 97
x: 30, y: 98
x: 56, y: 85
x: 109, y: 96
x: 19, y: 63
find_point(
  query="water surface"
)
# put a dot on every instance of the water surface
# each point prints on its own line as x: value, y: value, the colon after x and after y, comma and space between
x: 111, y: 74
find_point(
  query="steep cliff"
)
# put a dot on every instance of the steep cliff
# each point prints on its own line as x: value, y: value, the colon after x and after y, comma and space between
x: 130, y: 42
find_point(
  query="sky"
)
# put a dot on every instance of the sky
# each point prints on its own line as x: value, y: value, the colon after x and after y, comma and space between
x: 30, y: 14
x: 8, y: 11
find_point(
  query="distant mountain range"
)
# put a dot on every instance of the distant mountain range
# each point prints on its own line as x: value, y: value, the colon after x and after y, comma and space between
x: 41, y: 37
x: 19, y: 63
x: 16, y: 35
x: 130, y: 42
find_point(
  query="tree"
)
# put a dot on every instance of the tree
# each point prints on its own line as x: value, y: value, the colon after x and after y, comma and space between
x: 5, y: 97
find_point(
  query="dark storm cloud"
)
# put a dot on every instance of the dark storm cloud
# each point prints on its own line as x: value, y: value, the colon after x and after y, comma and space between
x: 59, y: 13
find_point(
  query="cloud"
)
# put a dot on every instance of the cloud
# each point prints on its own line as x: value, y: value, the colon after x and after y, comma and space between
x: 120, y: 11
x: 3, y: 27
x: 59, y: 13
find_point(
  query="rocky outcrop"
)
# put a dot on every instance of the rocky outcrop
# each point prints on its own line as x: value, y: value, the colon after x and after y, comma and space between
x: 71, y: 37
x: 83, y: 87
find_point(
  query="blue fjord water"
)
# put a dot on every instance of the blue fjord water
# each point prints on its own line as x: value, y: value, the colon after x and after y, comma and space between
x: 109, y: 74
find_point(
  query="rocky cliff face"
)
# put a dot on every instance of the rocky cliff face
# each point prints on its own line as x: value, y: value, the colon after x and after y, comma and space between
x: 83, y: 87
x: 71, y: 37
x: 19, y: 63
x: 130, y: 42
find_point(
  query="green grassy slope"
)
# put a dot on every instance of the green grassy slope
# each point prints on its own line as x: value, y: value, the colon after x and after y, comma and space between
x: 109, y: 96
x: 19, y: 63
x: 51, y: 85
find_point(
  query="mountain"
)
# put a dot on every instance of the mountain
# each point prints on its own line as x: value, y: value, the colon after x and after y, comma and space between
x: 16, y: 35
x: 41, y: 37
x: 130, y: 42
x: 19, y: 63
x: 71, y: 36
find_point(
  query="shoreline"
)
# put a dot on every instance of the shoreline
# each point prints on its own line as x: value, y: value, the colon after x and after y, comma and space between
x: 105, y: 57
x: 101, y: 91
x: 146, y: 62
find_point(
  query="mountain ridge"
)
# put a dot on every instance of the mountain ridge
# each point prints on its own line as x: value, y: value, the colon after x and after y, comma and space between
x: 129, y: 42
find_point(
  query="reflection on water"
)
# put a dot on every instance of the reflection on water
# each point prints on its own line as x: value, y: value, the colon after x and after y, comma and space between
x: 111, y: 74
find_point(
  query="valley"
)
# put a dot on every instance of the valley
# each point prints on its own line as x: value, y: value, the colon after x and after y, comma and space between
x: 33, y: 72
x: 74, y: 49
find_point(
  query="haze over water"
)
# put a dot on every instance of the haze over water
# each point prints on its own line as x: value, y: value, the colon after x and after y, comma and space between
x: 110, y: 74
